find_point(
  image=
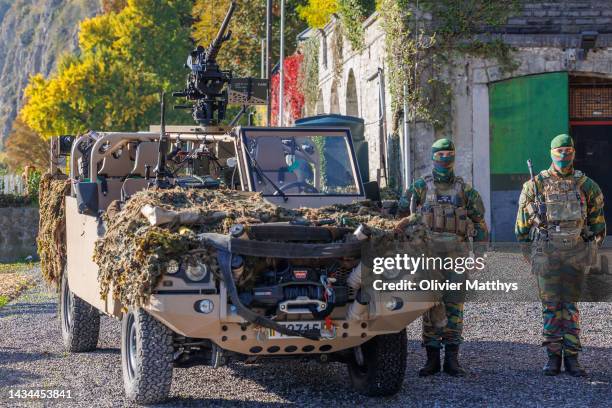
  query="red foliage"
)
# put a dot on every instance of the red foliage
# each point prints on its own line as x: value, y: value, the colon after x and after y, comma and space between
x: 294, y: 98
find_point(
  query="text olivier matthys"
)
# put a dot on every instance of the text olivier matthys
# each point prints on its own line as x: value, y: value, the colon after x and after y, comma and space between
x: 392, y: 267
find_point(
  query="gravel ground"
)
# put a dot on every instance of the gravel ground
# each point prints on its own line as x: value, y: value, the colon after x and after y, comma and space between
x: 502, y: 354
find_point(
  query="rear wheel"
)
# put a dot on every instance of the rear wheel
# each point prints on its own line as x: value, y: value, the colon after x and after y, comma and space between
x: 146, y: 357
x: 80, y: 321
x: 378, y: 366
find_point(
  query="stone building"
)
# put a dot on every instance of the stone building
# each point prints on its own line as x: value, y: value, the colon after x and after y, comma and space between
x: 499, y: 119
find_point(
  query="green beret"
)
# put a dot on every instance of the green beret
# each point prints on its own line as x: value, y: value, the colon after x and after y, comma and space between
x: 562, y: 141
x: 442, y: 144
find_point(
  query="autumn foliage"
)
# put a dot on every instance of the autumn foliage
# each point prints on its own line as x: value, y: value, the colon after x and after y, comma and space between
x: 293, y: 95
x: 125, y: 59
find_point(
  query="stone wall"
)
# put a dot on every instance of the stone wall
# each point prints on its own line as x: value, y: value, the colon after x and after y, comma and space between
x: 18, y: 230
x: 560, y: 17
x: 538, y: 52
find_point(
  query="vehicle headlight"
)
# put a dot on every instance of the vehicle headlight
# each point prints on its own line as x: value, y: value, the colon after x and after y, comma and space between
x: 196, y: 271
x: 172, y: 267
x: 394, y: 303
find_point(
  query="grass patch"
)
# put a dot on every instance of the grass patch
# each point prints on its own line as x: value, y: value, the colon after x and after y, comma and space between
x: 14, y: 279
x: 17, y: 267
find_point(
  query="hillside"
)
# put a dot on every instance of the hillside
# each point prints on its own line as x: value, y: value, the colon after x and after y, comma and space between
x: 33, y: 36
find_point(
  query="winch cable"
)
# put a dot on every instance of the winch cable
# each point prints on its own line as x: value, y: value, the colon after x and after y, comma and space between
x: 225, y: 261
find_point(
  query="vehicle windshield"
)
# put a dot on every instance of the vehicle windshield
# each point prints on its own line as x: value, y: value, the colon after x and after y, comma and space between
x: 301, y: 163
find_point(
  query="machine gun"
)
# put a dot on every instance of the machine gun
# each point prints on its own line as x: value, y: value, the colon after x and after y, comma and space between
x: 206, y: 83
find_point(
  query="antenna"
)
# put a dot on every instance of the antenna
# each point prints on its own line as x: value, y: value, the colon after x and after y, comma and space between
x: 161, y: 172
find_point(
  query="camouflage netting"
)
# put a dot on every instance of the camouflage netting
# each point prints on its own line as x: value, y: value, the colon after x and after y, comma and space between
x: 133, y: 254
x: 51, y: 238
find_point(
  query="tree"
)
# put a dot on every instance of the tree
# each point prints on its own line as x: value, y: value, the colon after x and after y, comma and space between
x: 242, y: 53
x: 125, y: 59
x: 114, y: 6
x: 24, y: 147
x: 317, y: 13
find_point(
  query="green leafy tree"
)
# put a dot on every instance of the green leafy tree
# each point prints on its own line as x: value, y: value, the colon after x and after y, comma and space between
x: 125, y: 59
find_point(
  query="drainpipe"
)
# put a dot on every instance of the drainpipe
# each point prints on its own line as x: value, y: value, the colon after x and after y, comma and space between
x: 382, y: 140
x: 269, y: 59
x: 407, y: 153
x: 281, y: 94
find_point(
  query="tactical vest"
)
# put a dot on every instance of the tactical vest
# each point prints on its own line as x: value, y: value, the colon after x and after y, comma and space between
x: 566, y: 209
x: 443, y: 209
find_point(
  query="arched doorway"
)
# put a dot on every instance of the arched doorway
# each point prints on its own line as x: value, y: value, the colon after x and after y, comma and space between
x: 352, y: 107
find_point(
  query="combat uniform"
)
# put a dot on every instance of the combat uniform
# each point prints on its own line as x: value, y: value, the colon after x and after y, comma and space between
x: 454, y: 213
x: 562, y: 234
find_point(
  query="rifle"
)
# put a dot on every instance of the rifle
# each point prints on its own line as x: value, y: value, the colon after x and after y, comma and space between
x: 538, y: 207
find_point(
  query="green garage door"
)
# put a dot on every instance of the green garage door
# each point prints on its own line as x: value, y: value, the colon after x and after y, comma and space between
x: 525, y: 114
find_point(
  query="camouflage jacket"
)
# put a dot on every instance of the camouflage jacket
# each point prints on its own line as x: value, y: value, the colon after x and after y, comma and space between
x: 592, y: 193
x: 473, y: 203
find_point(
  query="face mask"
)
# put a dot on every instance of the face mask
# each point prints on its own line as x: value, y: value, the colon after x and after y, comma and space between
x: 561, y: 159
x: 443, y: 164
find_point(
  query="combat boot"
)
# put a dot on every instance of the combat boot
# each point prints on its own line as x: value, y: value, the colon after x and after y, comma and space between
x: 553, y: 366
x: 573, y: 367
x: 451, y: 361
x: 432, y: 366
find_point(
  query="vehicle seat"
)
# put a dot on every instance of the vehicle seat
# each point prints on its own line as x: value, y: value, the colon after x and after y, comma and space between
x: 270, y: 156
x: 146, y: 154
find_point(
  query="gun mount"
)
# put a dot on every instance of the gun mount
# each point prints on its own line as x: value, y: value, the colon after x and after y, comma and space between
x: 206, y: 83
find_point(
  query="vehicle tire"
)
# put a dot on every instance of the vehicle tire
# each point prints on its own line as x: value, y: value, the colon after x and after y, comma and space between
x: 146, y: 357
x: 382, y: 367
x: 79, y: 321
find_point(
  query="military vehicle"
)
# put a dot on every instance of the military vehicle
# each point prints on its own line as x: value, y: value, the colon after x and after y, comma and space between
x: 310, y: 300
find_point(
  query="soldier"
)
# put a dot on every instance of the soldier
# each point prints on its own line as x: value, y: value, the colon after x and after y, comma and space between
x: 454, y: 214
x: 560, y: 220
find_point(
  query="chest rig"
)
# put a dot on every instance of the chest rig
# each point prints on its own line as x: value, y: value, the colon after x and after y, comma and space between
x: 443, y: 209
x: 566, y: 210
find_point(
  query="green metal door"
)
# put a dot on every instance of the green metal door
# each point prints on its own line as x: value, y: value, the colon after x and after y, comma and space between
x: 524, y: 114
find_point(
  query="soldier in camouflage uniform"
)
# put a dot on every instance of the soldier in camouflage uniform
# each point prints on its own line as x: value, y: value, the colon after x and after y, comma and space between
x: 454, y: 214
x: 561, y: 221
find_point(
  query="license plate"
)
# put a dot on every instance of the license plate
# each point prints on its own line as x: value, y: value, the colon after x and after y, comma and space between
x: 297, y: 326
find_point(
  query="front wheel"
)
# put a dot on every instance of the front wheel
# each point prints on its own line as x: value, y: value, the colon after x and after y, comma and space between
x: 378, y: 366
x: 80, y: 321
x: 146, y: 357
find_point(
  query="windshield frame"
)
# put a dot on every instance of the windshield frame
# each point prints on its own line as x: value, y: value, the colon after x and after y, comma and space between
x: 285, y: 132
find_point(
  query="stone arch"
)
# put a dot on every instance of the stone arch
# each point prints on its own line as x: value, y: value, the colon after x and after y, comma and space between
x: 334, y: 103
x: 352, y: 106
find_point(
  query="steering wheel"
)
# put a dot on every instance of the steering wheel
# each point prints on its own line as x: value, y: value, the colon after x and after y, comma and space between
x: 308, y: 188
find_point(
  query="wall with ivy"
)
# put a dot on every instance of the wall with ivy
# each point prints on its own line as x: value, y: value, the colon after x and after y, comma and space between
x: 448, y: 56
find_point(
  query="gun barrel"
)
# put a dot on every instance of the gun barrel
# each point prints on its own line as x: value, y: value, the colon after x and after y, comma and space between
x: 215, y: 45
x: 532, y: 177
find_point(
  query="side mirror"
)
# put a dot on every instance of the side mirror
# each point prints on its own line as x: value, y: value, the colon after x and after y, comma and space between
x: 372, y: 191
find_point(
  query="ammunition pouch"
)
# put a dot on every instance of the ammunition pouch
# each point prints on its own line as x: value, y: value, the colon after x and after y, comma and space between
x: 446, y: 219
x: 564, y: 240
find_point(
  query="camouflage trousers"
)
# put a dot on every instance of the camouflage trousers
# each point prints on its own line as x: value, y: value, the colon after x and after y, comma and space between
x: 436, y: 335
x: 561, y: 327
x: 560, y: 280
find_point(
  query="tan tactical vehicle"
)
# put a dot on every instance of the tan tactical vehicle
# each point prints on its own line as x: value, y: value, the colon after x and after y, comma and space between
x: 311, y: 301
